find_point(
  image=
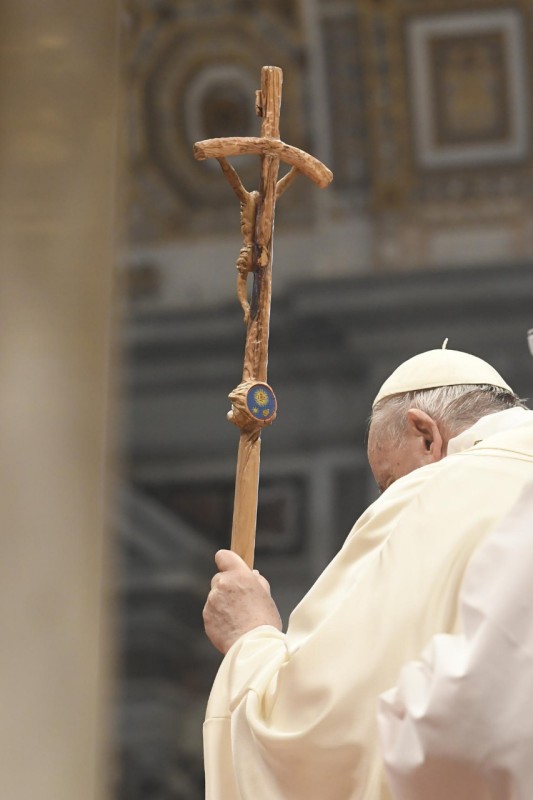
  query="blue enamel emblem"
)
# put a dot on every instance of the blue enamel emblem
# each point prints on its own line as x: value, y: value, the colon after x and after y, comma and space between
x: 261, y: 402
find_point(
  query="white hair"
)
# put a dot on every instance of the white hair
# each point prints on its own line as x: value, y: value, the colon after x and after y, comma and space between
x: 454, y: 408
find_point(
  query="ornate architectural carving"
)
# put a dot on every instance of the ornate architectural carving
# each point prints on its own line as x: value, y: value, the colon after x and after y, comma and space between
x: 192, y: 74
x: 449, y: 118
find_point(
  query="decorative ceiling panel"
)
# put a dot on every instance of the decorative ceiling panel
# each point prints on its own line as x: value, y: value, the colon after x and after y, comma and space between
x: 448, y: 86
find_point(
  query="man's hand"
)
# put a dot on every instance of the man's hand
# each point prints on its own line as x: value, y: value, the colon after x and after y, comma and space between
x: 239, y: 601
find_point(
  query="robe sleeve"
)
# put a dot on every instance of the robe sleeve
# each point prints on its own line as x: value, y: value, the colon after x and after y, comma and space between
x: 459, y: 723
x: 260, y: 655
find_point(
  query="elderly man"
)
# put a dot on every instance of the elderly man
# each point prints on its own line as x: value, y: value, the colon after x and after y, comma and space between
x: 293, y: 715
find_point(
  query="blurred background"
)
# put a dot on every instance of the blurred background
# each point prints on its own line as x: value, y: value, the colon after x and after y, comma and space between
x: 422, y: 109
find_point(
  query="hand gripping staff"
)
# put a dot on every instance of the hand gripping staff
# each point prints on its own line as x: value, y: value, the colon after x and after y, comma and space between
x: 253, y: 401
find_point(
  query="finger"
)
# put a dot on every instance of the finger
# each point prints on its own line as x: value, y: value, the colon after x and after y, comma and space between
x: 215, y: 580
x: 227, y: 559
x: 262, y: 580
x: 264, y: 583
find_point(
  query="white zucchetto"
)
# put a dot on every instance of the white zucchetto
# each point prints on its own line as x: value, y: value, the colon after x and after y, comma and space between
x: 440, y: 368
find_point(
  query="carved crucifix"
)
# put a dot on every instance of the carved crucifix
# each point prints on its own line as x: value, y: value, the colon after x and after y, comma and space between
x: 253, y: 401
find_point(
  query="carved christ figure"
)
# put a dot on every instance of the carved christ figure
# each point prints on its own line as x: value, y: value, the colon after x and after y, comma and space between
x: 248, y: 204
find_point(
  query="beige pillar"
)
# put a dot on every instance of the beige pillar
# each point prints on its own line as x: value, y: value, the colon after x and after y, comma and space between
x: 58, y: 123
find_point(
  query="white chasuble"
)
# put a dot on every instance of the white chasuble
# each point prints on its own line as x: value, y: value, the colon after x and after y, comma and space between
x: 293, y: 716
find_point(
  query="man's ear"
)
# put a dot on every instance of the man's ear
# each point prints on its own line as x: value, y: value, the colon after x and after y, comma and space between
x: 424, y: 428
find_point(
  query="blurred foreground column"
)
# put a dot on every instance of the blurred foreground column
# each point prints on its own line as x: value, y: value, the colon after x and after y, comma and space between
x: 58, y: 134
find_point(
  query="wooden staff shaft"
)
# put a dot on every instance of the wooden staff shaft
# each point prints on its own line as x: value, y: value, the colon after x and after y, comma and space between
x: 246, y: 495
x: 256, y: 350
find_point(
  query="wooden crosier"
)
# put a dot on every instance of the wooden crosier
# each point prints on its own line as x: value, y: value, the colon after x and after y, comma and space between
x: 253, y: 401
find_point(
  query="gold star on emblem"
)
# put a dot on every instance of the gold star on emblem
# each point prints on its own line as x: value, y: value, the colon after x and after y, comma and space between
x: 261, y: 397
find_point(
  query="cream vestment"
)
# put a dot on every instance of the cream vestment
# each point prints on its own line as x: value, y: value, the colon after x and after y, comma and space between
x: 293, y: 715
x: 460, y: 722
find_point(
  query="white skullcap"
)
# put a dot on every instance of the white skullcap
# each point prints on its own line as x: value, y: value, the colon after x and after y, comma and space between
x: 440, y: 368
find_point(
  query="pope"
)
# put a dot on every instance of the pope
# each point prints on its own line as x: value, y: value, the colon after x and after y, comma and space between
x: 293, y: 715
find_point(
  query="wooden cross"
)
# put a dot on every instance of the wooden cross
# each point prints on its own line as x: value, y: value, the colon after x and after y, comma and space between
x: 253, y: 401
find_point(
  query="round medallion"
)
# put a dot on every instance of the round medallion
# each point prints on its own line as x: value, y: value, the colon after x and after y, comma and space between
x: 261, y: 402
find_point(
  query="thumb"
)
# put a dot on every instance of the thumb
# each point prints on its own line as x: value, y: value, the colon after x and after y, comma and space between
x: 227, y: 559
